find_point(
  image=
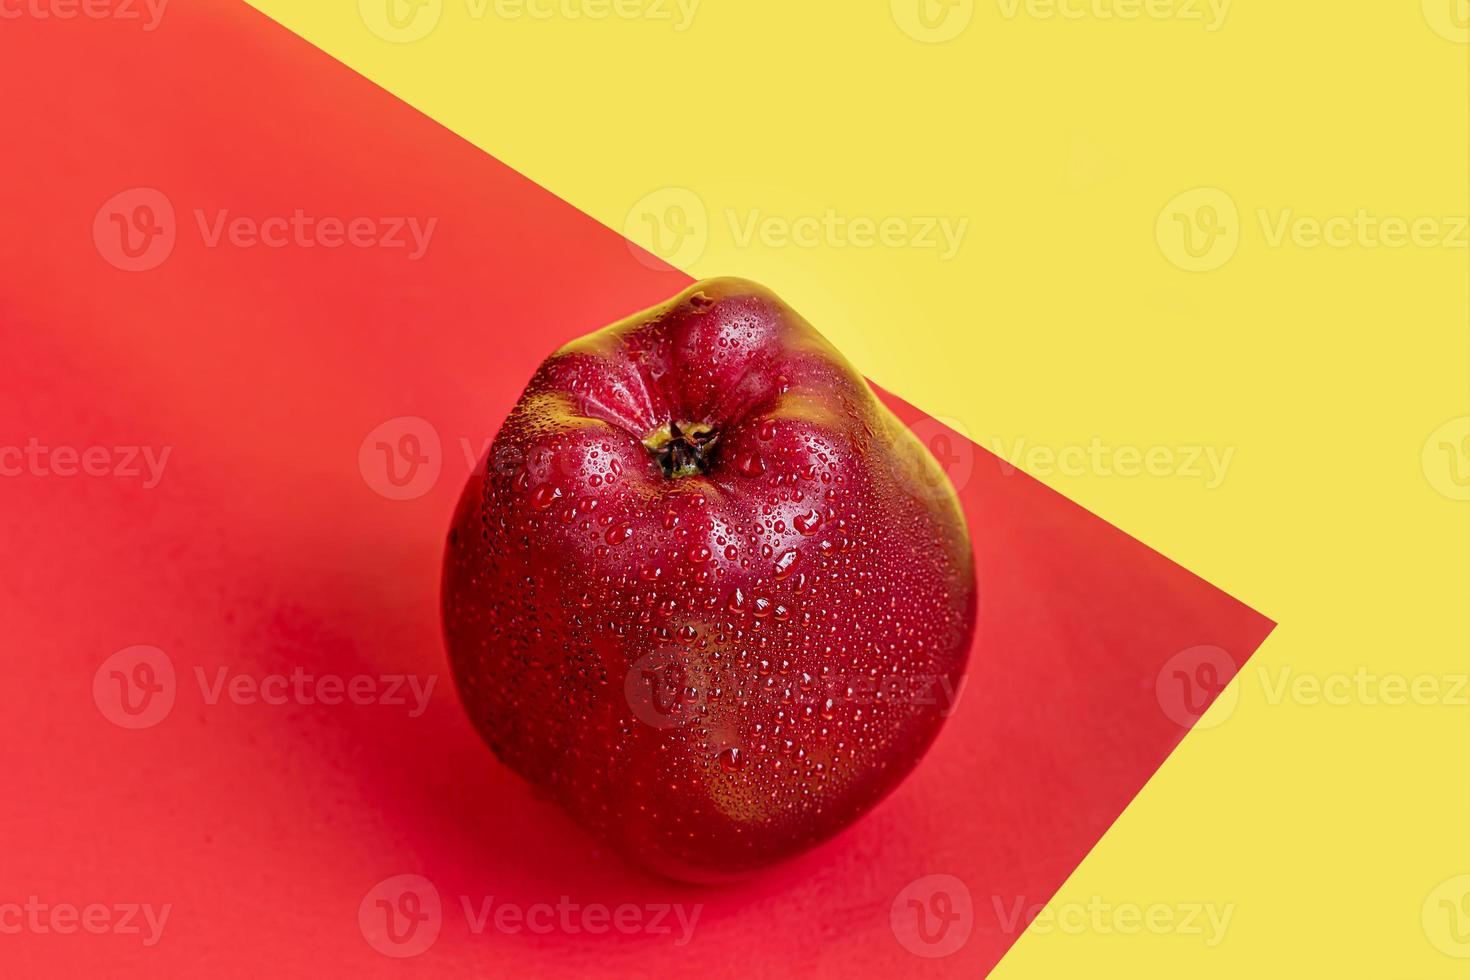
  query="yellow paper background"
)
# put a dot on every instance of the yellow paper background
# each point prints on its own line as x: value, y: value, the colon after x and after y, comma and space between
x: 1078, y: 141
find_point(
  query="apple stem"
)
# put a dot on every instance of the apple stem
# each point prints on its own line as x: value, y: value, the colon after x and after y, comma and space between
x: 683, y: 450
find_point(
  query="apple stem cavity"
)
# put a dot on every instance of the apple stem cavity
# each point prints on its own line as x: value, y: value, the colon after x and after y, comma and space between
x: 683, y: 449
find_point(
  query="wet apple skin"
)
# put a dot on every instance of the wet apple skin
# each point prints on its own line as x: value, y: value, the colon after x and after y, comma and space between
x: 716, y: 671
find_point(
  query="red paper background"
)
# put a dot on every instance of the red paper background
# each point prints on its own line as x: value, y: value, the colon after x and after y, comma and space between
x: 264, y: 548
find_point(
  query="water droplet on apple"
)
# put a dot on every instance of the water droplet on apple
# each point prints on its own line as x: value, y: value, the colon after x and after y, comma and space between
x: 750, y: 464
x: 807, y: 524
x: 544, y: 496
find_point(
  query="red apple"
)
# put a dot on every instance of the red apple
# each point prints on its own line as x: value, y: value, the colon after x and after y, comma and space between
x: 706, y: 592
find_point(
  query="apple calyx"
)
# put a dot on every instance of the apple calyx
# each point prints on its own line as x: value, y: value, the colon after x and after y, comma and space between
x: 683, y: 450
